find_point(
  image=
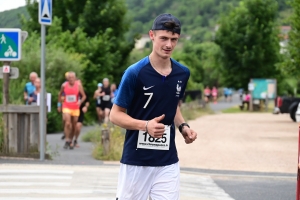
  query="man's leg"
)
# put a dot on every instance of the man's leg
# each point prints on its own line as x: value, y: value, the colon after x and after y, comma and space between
x: 67, y: 129
x: 134, y: 182
x: 99, y: 114
x: 74, y: 122
x: 63, y: 122
x: 166, y: 183
x: 106, y: 113
x: 77, y: 132
x: 78, y: 128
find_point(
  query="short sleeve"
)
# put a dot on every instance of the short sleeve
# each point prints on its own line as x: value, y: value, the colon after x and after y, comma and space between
x: 126, y: 90
x: 25, y: 88
x: 187, y: 71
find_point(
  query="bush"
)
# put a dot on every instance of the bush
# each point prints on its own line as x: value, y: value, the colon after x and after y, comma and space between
x: 117, y: 137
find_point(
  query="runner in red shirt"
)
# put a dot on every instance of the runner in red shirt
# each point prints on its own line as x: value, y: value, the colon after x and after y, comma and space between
x: 71, y: 104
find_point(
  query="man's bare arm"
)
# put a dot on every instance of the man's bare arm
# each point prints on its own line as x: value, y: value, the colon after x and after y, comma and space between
x: 119, y: 117
x: 83, y: 96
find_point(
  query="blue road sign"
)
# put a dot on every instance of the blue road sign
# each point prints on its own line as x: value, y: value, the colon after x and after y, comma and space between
x: 10, y: 44
x: 45, y: 12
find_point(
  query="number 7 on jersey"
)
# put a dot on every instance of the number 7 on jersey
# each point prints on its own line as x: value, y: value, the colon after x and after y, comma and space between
x: 150, y: 96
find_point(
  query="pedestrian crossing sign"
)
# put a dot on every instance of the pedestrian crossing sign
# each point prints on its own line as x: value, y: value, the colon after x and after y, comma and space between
x: 45, y: 12
x: 10, y: 44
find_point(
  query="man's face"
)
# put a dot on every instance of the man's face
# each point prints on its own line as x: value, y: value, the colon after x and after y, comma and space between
x: 164, y: 42
x: 32, y: 78
x: 71, y: 79
x: 37, y: 83
x: 105, y: 83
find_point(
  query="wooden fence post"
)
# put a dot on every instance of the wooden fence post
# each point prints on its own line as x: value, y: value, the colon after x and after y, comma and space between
x: 105, y: 139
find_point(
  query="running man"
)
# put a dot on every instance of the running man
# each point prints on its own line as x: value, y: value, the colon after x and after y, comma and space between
x: 71, y: 104
x: 30, y: 87
x: 59, y: 105
x: 147, y: 106
x: 97, y: 96
x: 106, y: 99
x: 83, y: 109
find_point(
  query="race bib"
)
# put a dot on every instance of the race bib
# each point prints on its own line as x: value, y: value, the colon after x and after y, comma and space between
x: 106, y: 98
x: 71, y: 98
x: 146, y: 141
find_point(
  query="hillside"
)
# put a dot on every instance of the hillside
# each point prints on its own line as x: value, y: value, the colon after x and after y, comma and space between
x: 199, y: 18
x: 10, y: 18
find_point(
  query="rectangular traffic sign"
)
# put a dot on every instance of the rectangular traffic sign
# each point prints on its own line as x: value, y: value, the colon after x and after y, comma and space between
x: 6, y: 69
x: 10, y: 44
x: 14, y: 72
x: 45, y: 12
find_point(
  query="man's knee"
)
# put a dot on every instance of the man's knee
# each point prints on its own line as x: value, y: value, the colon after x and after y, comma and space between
x: 68, y: 124
x: 78, y: 125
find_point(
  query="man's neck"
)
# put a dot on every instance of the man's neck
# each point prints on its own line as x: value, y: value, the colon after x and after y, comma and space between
x: 159, y: 62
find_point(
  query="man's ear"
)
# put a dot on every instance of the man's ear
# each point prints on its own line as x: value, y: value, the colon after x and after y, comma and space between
x: 151, y: 34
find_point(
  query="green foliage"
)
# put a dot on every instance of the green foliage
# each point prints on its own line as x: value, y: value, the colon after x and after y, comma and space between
x: 248, y: 37
x: 291, y: 63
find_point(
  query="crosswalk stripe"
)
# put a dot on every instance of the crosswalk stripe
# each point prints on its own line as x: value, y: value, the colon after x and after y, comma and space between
x: 33, y: 177
x: 59, y: 198
x: 51, y: 191
x: 34, y: 184
x: 36, y: 171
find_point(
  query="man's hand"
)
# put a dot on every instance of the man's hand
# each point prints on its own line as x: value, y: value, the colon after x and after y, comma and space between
x: 30, y: 99
x: 189, y: 135
x: 156, y: 129
x: 84, y: 109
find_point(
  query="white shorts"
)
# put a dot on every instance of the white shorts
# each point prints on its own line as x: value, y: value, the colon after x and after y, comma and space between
x: 139, y: 182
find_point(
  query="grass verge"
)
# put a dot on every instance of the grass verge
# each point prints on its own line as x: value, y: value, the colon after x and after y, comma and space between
x: 236, y: 109
x: 193, y: 110
x: 117, y: 137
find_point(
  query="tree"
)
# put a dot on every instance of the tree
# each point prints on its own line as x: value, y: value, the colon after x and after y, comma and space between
x: 248, y: 37
x: 291, y: 65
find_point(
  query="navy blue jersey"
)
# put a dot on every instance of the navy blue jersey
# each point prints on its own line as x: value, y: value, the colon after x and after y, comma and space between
x: 146, y: 94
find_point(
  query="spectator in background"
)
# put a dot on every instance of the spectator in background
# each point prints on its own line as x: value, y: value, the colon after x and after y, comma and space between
x: 246, y: 100
x: 207, y: 93
x: 29, y: 87
x: 229, y: 94
x: 32, y: 100
x: 114, y: 92
x: 214, y: 93
x: 225, y: 93
x: 97, y: 96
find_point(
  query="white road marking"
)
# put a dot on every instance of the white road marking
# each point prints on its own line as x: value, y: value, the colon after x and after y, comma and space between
x: 36, y: 171
x: 4, y: 184
x: 33, y: 177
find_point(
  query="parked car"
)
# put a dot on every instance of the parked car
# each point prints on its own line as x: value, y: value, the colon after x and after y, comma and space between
x: 287, y: 105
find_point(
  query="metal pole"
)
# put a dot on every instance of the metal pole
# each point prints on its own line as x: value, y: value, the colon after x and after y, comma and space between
x: 42, y: 94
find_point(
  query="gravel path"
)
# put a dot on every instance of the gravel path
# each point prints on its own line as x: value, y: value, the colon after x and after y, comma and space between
x: 243, y: 142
